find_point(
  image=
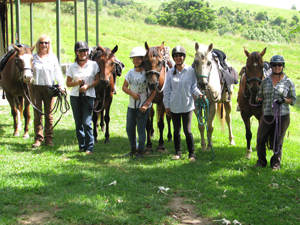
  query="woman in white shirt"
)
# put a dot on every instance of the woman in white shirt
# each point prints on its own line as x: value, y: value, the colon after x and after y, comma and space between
x: 83, y: 76
x: 46, y: 71
x: 181, y: 86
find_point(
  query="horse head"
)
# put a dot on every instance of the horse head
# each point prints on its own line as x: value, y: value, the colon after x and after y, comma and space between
x: 106, y: 59
x: 23, y: 61
x: 203, y: 64
x: 254, y: 70
x: 153, y: 63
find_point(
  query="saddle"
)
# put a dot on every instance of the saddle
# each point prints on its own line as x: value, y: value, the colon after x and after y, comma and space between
x: 11, y: 50
x: 227, y: 73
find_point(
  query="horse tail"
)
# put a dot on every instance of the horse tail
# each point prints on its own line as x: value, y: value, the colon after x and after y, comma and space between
x: 221, y: 113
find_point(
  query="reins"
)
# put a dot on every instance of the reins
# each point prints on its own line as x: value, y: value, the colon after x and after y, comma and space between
x: 277, y: 118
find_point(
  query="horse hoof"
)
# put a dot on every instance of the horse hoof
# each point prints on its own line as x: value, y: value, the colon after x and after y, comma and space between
x: 161, y: 149
x: 232, y: 143
x: 26, y: 136
x: 248, y: 156
x: 148, y: 151
x: 106, y: 141
x: 170, y: 140
x: 16, y: 134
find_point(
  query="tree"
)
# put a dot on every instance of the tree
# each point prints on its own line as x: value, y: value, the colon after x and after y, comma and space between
x: 190, y: 14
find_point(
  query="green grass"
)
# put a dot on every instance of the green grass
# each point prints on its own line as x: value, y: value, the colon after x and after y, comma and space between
x: 71, y: 187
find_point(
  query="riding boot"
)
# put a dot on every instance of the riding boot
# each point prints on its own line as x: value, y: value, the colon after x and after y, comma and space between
x: 140, y: 154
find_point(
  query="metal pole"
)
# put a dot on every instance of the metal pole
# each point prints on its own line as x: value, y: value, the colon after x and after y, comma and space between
x: 58, y: 29
x: 31, y: 24
x: 18, y: 28
x: 97, y: 22
x: 75, y: 6
x: 12, y: 21
x: 86, y: 22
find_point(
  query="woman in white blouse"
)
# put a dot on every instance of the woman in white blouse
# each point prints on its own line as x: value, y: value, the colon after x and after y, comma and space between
x: 46, y: 71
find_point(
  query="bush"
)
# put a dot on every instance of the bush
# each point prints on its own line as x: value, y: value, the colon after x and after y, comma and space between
x: 151, y: 20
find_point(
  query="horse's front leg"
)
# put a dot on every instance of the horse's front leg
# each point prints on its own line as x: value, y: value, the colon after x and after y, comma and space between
x: 228, y: 107
x: 14, y: 113
x: 150, y: 130
x: 201, y: 130
x: 210, y: 124
x: 107, y: 120
x: 161, y: 126
x: 102, y: 124
x: 169, y: 118
x: 27, y: 117
x: 246, y: 119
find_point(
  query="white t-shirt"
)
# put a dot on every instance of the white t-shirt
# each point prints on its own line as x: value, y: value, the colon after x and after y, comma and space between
x: 137, y: 84
x: 87, y: 73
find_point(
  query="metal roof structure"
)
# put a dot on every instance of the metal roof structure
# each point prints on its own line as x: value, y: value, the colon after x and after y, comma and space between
x: 58, y: 28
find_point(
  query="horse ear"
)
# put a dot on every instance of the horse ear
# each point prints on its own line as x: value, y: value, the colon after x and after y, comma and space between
x: 32, y: 48
x: 100, y: 48
x: 16, y: 47
x: 246, y: 52
x: 147, y: 46
x: 162, y: 45
x: 196, y: 46
x: 263, y: 52
x: 210, y: 47
x: 114, y: 50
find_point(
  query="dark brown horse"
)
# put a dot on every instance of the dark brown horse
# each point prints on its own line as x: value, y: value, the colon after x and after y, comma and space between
x: 104, y: 91
x: 155, y: 66
x: 251, y: 77
x: 15, y: 76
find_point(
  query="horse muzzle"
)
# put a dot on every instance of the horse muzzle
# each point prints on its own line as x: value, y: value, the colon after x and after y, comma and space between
x: 152, y: 85
x: 103, y: 83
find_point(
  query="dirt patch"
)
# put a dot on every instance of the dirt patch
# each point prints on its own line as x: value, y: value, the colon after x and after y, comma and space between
x: 36, y: 218
x: 185, y: 213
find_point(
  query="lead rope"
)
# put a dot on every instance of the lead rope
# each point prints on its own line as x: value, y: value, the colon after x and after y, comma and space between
x: 202, y: 105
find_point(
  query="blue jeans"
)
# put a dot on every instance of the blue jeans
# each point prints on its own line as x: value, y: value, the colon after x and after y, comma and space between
x: 82, y: 112
x: 135, y: 118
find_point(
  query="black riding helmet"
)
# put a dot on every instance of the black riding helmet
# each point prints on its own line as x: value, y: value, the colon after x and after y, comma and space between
x: 81, y: 45
x: 178, y: 49
x: 277, y: 59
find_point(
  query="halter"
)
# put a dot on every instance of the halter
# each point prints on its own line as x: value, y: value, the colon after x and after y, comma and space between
x: 248, y: 80
x: 21, y: 69
x: 158, y: 74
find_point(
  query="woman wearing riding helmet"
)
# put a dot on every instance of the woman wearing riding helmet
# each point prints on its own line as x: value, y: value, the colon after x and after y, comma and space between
x: 83, y: 76
x: 140, y: 102
x: 276, y: 91
x: 180, y: 87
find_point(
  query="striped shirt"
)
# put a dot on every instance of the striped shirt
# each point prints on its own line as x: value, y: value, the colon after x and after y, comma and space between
x: 285, y: 88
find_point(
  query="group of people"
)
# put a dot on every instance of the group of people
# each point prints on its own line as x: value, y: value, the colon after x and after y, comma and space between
x: 277, y: 90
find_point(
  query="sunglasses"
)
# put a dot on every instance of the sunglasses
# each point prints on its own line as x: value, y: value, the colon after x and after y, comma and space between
x: 178, y: 55
x: 44, y: 42
x: 277, y: 64
x: 83, y: 50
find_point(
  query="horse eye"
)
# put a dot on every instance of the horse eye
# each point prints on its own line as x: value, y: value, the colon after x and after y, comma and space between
x: 208, y: 63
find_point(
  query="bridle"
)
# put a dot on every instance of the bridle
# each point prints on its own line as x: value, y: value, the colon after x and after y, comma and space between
x: 248, y: 80
x: 21, y: 69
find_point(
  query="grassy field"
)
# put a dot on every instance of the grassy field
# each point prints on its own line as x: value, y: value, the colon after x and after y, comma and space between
x: 58, y: 185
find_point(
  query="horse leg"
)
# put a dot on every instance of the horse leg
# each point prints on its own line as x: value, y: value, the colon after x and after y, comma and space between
x: 95, y: 123
x: 14, y: 113
x: 102, y: 124
x: 20, y: 106
x: 107, y: 120
x: 210, y: 124
x: 201, y: 130
x: 228, y: 107
x: 149, y: 129
x: 161, y: 126
x: 27, y: 117
x: 247, y: 123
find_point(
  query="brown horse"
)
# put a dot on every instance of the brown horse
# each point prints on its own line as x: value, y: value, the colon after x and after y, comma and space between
x: 208, y: 78
x: 251, y: 77
x: 155, y: 66
x: 15, y: 76
x: 104, y: 91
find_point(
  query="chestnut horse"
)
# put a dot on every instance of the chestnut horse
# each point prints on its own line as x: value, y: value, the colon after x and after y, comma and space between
x: 15, y: 77
x: 251, y: 77
x: 208, y: 78
x: 155, y: 66
x: 104, y: 91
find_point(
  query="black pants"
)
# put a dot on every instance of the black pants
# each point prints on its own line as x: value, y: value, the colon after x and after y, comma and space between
x: 266, y: 130
x: 187, y: 122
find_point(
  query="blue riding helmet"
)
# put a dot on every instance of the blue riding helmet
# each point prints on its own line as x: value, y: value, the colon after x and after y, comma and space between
x: 277, y: 59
